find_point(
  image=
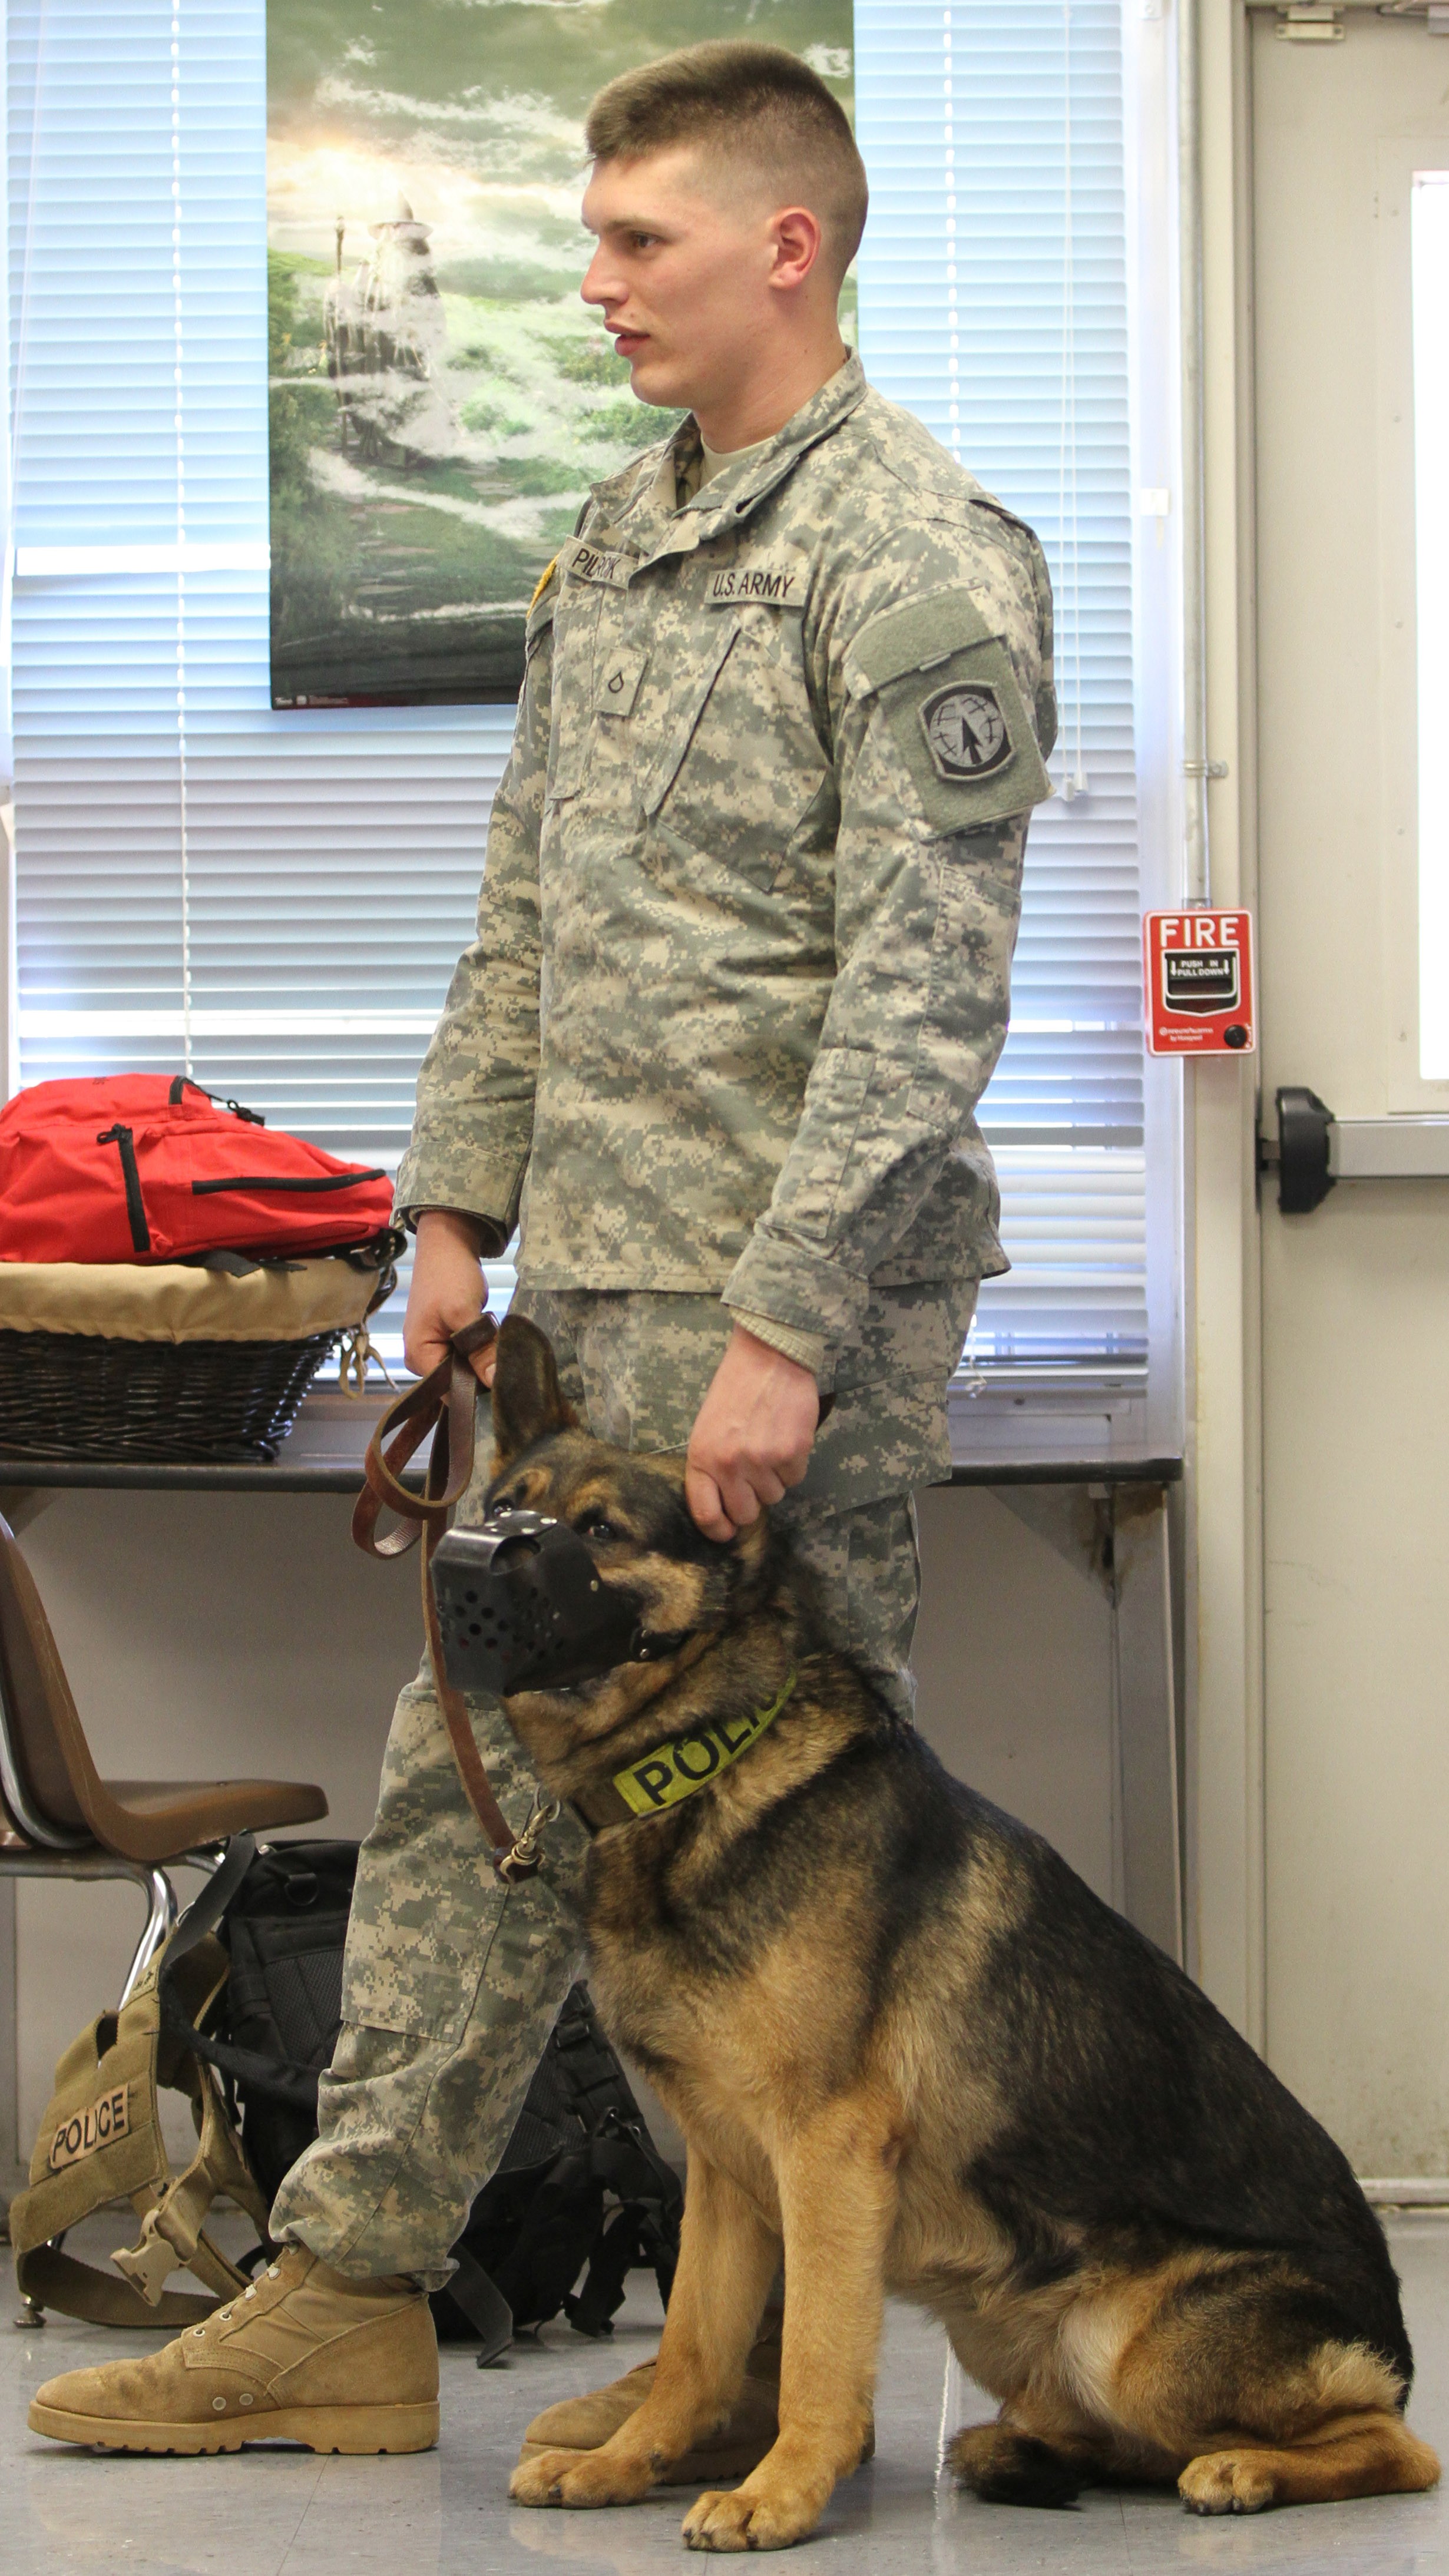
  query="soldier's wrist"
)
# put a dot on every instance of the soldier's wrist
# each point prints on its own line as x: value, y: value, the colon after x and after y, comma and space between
x: 807, y: 1350
x: 482, y: 1235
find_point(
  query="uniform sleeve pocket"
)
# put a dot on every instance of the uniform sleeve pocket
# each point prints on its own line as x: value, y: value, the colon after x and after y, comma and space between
x: 835, y: 1097
x: 948, y: 697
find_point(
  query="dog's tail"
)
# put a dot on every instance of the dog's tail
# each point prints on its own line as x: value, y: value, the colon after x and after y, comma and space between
x: 1005, y: 2467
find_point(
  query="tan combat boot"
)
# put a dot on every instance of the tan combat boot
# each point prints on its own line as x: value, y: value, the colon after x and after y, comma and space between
x: 302, y: 2356
x: 585, y: 2423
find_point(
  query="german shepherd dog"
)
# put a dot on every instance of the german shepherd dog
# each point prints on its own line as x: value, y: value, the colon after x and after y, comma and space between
x: 908, y: 2046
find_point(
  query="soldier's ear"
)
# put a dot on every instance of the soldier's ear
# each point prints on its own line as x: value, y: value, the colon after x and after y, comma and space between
x: 528, y: 1401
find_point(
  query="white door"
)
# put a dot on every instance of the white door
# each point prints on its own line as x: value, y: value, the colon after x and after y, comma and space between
x: 1355, y: 1295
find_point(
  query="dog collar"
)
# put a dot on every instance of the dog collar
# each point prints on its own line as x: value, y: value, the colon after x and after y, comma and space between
x: 678, y: 1767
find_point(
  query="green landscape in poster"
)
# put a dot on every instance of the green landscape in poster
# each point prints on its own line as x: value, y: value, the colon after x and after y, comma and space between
x: 440, y: 400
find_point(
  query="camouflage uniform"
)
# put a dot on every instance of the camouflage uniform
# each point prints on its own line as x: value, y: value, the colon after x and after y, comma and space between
x: 741, y: 976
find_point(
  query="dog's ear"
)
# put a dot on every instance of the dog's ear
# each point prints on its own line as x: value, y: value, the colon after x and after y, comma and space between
x: 528, y: 1401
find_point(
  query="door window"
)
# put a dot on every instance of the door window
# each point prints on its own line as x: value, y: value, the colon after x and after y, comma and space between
x: 1429, y: 256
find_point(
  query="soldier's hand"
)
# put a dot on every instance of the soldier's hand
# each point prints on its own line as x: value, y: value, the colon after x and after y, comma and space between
x: 751, y: 1440
x: 446, y: 1292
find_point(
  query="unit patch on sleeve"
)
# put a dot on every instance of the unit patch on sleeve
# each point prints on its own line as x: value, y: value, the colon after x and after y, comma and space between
x: 939, y: 669
x: 965, y: 731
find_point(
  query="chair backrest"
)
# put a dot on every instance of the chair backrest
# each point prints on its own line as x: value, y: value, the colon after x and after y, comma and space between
x: 49, y: 1779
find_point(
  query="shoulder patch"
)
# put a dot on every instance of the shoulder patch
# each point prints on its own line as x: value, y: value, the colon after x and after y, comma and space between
x: 965, y: 730
x: 542, y: 583
x: 939, y: 668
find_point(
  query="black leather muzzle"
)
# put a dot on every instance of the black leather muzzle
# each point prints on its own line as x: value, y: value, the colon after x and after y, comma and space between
x: 522, y: 1606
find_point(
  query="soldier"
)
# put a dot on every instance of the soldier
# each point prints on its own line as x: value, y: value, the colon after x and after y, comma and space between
x: 741, y: 974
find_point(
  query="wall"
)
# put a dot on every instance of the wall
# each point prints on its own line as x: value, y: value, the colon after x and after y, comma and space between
x: 213, y: 1636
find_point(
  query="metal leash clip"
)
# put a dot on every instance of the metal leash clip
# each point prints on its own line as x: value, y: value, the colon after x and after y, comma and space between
x: 526, y: 1856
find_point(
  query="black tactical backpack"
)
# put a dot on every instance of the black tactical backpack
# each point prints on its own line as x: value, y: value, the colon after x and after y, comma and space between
x: 582, y: 2195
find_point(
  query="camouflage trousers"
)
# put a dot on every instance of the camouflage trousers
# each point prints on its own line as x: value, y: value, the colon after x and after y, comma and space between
x: 452, y: 1982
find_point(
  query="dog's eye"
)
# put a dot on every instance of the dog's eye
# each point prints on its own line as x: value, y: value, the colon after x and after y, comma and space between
x: 597, y: 1524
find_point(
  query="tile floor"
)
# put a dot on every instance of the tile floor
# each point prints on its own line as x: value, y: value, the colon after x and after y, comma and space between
x: 284, y: 2513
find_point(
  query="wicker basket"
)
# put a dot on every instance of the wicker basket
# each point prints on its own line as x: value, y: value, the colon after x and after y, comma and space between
x: 170, y: 1364
x: 64, y: 1396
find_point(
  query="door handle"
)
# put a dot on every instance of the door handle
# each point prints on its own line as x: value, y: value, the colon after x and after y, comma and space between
x: 1313, y: 1150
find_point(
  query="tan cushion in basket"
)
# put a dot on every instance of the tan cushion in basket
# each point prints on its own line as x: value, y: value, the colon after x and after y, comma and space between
x: 121, y: 1301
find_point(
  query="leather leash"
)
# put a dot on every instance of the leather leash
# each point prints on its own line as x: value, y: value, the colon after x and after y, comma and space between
x: 443, y: 1403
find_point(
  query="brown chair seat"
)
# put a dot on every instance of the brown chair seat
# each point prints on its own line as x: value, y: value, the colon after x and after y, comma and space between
x: 153, y: 1820
x: 63, y: 1800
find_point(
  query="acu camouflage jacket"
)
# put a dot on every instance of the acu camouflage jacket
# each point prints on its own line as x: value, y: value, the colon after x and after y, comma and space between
x: 753, y: 880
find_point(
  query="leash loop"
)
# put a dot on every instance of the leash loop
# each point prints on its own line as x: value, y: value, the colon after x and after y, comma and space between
x: 443, y: 1403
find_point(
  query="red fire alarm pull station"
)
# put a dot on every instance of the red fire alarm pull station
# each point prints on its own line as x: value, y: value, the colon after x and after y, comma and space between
x: 1199, y: 968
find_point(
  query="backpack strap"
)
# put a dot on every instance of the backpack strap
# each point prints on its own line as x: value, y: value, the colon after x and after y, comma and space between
x: 286, y: 2081
x: 482, y: 2303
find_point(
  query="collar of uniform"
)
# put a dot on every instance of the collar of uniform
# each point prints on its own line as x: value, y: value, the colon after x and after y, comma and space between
x: 677, y: 1768
x: 732, y: 492
x: 640, y: 508
x: 659, y: 530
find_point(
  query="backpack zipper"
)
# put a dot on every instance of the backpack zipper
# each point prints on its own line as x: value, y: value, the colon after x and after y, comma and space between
x: 270, y: 1181
x: 123, y: 1139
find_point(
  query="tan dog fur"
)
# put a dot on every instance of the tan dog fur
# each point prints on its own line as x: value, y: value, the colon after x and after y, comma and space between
x: 846, y: 2010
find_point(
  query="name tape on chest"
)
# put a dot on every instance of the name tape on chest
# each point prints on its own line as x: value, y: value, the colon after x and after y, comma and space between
x: 777, y: 585
x: 688, y: 1762
x: 610, y: 565
x: 91, y: 2128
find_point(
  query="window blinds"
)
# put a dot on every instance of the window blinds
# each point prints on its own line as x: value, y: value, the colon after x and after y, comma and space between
x: 993, y: 302
x: 276, y: 901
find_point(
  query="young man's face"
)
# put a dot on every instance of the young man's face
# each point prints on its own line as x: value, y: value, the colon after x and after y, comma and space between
x: 681, y: 272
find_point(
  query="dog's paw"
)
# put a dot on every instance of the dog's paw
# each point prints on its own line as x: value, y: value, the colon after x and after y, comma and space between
x: 578, y: 2478
x: 1227, y: 2482
x: 768, y: 2518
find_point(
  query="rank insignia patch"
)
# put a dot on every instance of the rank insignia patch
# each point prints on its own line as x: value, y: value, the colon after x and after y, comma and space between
x: 965, y: 732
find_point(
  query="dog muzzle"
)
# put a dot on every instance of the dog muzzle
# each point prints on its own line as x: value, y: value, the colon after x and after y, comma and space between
x: 522, y: 1606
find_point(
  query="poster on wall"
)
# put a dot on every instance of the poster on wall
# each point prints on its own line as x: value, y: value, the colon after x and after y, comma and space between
x: 440, y: 399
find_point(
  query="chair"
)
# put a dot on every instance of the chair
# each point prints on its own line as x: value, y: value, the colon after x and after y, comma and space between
x: 60, y: 1819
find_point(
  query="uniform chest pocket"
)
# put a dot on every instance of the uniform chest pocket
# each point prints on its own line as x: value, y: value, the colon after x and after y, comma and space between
x: 617, y: 675
x: 740, y: 764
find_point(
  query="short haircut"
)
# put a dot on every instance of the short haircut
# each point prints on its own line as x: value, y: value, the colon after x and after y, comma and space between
x: 754, y: 102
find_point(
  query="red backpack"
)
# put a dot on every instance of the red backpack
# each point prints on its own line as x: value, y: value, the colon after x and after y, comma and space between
x: 146, y: 1167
